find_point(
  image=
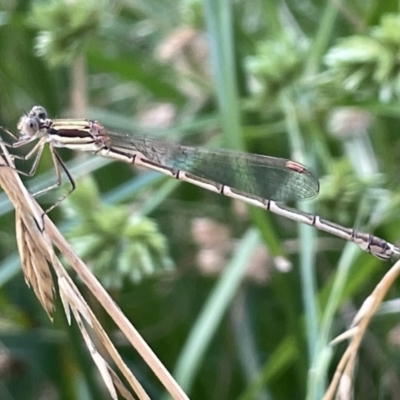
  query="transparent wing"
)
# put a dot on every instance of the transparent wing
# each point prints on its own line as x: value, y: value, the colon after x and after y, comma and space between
x: 257, y: 175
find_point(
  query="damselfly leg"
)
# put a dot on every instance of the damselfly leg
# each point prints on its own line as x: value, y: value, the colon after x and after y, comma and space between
x: 30, y: 127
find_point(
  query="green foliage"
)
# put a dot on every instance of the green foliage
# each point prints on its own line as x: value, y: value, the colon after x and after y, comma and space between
x: 64, y: 32
x: 341, y: 191
x: 275, y: 65
x: 118, y: 245
x: 369, y: 65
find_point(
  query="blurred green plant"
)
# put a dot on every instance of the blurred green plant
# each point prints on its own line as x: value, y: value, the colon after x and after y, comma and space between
x: 275, y: 65
x: 342, y: 191
x: 119, y: 245
x: 368, y: 66
x: 65, y: 28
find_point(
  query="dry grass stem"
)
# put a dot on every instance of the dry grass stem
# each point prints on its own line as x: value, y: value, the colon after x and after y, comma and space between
x: 34, y: 264
x: 341, y: 384
x: 36, y: 236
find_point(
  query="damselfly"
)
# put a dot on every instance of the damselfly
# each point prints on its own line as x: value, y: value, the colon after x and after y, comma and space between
x: 258, y: 180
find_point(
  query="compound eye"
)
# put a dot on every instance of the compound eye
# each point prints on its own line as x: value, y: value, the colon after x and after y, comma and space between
x: 28, y: 126
x: 38, y: 112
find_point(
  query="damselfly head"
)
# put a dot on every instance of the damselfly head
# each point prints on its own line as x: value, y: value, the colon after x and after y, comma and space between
x: 28, y: 126
x: 38, y: 112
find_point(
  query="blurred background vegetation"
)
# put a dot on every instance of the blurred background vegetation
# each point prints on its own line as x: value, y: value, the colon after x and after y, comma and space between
x: 238, y: 304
